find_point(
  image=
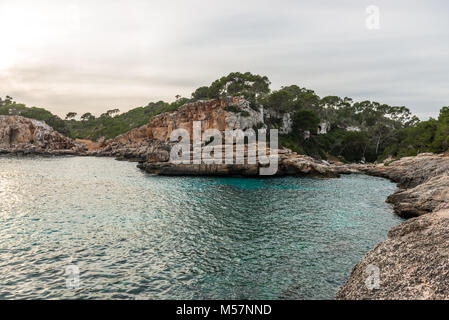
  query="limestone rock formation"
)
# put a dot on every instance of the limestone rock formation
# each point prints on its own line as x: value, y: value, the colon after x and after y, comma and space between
x: 211, y: 113
x: 19, y: 135
x: 150, y: 144
x: 289, y: 163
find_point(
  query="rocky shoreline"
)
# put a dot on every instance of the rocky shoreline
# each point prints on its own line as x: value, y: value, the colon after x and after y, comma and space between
x: 24, y: 152
x: 423, y: 181
x: 150, y: 144
x: 25, y: 137
x: 412, y: 261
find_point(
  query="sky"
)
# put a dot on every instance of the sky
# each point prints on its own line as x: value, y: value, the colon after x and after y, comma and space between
x: 91, y: 56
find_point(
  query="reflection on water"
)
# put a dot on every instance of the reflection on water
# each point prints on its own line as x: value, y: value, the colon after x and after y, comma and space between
x: 137, y: 236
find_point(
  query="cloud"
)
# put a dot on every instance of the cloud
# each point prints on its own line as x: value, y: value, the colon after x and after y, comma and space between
x: 88, y: 56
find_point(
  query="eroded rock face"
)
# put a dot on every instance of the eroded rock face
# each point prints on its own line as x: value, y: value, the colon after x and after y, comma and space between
x: 150, y: 144
x: 29, y: 136
x: 211, y: 113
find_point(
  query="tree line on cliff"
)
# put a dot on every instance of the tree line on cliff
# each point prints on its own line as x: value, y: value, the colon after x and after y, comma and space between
x: 362, y: 130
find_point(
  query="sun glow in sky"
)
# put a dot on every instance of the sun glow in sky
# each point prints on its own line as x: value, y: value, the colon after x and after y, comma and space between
x: 7, y: 58
x: 77, y: 55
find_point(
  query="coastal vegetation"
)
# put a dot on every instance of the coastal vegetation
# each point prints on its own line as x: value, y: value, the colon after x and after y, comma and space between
x: 426, y: 136
x: 323, y: 127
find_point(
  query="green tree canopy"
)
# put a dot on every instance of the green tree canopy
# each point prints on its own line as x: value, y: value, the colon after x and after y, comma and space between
x: 70, y: 115
x: 305, y: 120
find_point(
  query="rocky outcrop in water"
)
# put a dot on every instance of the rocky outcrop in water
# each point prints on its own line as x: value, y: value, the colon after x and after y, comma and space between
x: 150, y: 144
x: 289, y: 163
x: 413, y: 262
x: 22, y: 136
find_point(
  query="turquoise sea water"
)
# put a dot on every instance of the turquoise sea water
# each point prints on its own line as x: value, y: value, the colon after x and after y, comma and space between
x: 138, y: 236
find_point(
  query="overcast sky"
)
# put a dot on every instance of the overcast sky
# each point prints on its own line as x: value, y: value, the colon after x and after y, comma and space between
x: 95, y: 55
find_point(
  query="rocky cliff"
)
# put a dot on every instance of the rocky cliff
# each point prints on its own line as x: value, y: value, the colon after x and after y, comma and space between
x: 19, y: 135
x: 150, y: 144
x: 413, y: 262
x: 213, y: 114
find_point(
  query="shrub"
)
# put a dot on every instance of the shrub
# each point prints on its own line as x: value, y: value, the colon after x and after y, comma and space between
x: 233, y: 108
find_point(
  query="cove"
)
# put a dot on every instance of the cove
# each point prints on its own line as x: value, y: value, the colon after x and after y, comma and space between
x: 139, y: 236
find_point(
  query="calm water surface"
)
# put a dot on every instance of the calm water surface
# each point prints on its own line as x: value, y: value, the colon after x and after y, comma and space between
x: 138, y: 236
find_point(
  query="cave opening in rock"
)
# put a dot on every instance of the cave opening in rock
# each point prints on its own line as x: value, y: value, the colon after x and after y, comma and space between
x: 13, y: 134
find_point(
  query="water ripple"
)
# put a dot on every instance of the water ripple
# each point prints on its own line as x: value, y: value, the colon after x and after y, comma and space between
x: 137, y: 236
